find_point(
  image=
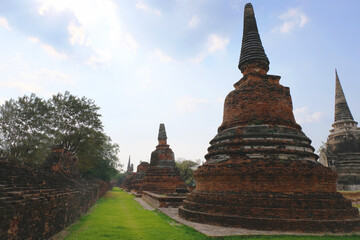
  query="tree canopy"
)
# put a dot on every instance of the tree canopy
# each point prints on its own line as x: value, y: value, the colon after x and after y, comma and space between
x: 30, y: 126
x: 186, y: 169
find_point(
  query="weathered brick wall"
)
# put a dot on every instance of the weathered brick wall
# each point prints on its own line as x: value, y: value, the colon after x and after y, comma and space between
x: 36, y: 204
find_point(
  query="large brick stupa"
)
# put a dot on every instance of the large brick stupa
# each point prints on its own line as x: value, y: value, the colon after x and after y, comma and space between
x: 342, y: 149
x: 261, y: 171
x: 162, y: 175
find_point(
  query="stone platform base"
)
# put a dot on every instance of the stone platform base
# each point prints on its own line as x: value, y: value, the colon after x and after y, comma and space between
x: 136, y: 194
x: 270, y: 194
x: 162, y: 201
x: 268, y: 224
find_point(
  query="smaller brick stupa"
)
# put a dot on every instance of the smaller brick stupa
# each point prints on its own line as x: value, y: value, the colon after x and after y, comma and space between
x: 139, y: 177
x: 261, y: 171
x: 129, y: 176
x: 342, y: 149
x: 162, y: 175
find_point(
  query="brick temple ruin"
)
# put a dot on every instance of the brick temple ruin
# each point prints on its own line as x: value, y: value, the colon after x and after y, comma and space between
x: 129, y: 177
x: 261, y: 171
x: 162, y: 185
x: 342, y: 149
x: 36, y: 203
x: 162, y: 175
x: 137, y: 183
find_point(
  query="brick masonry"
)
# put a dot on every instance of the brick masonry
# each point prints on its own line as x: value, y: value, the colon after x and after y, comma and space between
x: 162, y: 176
x: 342, y: 149
x: 36, y: 203
x: 261, y: 172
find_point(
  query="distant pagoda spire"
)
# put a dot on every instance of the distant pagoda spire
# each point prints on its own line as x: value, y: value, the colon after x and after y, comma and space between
x: 252, y: 50
x: 129, y: 165
x: 162, y: 134
x: 342, y: 111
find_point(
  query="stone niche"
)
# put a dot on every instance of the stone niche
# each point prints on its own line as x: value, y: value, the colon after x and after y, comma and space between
x: 261, y: 171
x: 162, y: 177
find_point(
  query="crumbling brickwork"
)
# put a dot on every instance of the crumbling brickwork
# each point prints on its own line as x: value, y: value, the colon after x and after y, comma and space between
x: 137, y: 183
x: 128, y: 181
x: 342, y: 149
x: 261, y: 171
x: 162, y: 175
x: 36, y: 203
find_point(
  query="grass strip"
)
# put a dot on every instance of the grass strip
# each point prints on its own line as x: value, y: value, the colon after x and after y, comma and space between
x: 118, y: 216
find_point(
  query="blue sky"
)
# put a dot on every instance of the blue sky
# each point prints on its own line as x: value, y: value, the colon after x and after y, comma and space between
x: 145, y: 62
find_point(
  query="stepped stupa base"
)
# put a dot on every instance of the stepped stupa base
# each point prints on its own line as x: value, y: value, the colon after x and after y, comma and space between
x: 269, y: 224
x: 288, y: 195
x: 162, y: 176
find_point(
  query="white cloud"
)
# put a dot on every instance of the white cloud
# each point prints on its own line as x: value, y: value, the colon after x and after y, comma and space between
x: 50, y: 50
x: 199, y: 58
x: 145, y: 79
x: 216, y: 43
x: 194, y: 21
x: 77, y: 34
x: 4, y: 23
x: 133, y: 45
x: 15, y: 61
x: 146, y: 8
x: 142, y: 6
x: 33, y: 39
x: 21, y: 86
x: 95, y: 61
x: 99, y: 60
x: 187, y: 104
x: 97, y: 26
x: 302, y: 115
x: 213, y: 44
x: 33, y: 81
x: 53, y: 52
x: 292, y: 19
x: 162, y: 56
x: 46, y: 75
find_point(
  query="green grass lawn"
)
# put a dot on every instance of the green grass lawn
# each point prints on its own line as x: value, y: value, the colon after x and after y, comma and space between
x: 118, y: 216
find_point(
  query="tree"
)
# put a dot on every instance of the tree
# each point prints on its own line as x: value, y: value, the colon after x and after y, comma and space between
x: 73, y: 119
x: 25, y: 129
x: 186, y: 169
x: 29, y: 126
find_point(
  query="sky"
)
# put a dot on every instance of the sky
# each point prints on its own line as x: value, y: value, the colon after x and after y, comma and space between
x: 146, y: 62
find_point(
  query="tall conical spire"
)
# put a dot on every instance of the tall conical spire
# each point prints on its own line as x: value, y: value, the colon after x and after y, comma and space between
x: 162, y: 134
x: 128, y: 166
x: 252, y: 50
x: 342, y: 111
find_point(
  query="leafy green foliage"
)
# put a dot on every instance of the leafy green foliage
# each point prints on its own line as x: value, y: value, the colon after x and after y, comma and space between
x: 25, y: 127
x: 30, y: 126
x: 186, y: 169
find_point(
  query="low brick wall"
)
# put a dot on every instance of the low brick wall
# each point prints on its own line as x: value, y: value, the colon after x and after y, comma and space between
x: 36, y: 204
x: 161, y: 201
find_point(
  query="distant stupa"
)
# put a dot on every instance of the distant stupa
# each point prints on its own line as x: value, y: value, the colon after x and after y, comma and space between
x: 342, y: 149
x: 162, y: 175
x: 261, y: 171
